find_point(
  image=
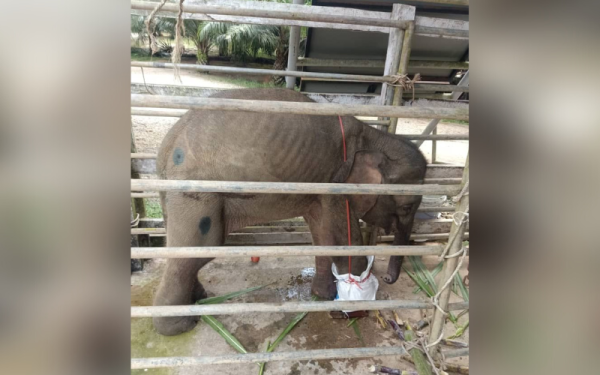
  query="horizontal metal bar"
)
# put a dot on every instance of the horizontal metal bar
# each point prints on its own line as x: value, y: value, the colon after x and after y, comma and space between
x: 443, y: 181
x: 142, y: 155
x: 279, y: 251
x: 419, y: 87
x: 287, y: 307
x: 250, y: 71
x: 437, y: 137
x: 261, y: 106
x: 376, y: 122
x: 424, y: 236
x: 278, y: 14
x: 349, y: 63
x: 290, y: 187
x: 160, y: 112
x: 145, y: 195
x: 297, y: 355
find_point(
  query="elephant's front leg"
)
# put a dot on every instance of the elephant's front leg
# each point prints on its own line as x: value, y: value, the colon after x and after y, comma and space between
x: 328, y: 224
x: 193, y: 220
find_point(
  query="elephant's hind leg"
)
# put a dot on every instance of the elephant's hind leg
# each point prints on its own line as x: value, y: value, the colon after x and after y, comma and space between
x: 194, y: 220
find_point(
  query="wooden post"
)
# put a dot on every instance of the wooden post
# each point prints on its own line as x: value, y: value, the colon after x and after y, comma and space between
x: 293, y: 48
x: 136, y: 264
x: 136, y: 203
x: 402, y: 69
x: 437, y: 326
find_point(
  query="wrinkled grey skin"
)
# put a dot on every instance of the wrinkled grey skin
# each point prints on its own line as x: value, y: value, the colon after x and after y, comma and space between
x: 242, y: 146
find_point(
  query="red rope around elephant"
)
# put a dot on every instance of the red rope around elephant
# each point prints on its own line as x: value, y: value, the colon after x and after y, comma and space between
x: 350, y: 279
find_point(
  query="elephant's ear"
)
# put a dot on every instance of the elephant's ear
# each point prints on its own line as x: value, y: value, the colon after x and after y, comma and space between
x: 364, y: 168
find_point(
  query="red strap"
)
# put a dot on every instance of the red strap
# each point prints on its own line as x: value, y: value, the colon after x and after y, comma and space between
x: 347, y: 209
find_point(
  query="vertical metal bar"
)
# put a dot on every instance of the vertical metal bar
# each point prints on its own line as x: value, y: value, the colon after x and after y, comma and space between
x: 402, y: 69
x: 293, y: 48
x: 434, y: 147
x: 450, y: 265
x: 464, y: 81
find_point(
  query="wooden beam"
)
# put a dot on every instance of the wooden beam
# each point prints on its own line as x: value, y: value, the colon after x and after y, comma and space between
x: 290, y: 188
x: 278, y: 307
x: 295, y: 355
x: 280, y: 251
x: 147, y: 163
x: 425, y: 26
x: 319, y: 109
x: 292, y: 12
x: 300, y: 234
x: 252, y: 71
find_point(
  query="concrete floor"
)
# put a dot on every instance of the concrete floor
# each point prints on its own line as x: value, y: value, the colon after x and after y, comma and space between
x: 289, y: 280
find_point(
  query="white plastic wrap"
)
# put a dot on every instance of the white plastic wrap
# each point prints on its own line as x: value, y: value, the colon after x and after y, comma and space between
x: 363, y: 289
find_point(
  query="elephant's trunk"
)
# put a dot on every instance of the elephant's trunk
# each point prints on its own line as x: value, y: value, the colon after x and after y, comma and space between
x: 395, y: 261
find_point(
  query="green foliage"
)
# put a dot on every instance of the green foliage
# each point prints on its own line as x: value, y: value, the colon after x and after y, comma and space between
x: 425, y: 280
x: 218, y: 326
x: 245, y: 82
x: 153, y: 209
x: 225, y: 297
x: 354, y: 324
x: 221, y: 330
x: 459, y: 122
x: 241, y: 42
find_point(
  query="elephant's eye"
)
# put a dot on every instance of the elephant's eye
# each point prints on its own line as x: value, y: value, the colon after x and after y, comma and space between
x: 406, y: 209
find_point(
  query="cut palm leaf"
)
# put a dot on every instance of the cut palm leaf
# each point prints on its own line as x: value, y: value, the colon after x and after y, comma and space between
x: 462, y: 287
x: 422, y: 277
x: 221, y: 330
x: 357, y: 331
x: 293, y: 323
x: 434, y: 273
x: 228, y: 296
x: 424, y: 272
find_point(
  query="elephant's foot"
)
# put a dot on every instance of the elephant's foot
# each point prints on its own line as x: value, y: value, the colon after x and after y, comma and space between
x: 326, y: 291
x: 171, y: 326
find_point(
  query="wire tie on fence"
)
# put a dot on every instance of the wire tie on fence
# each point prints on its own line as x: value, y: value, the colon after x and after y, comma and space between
x: 463, y: 219
x: 402, y: 80
x: 464, y: 191
x: 435, y: 299
x: 135, y: 221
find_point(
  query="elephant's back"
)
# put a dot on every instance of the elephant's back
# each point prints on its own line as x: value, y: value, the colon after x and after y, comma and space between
x: 246, y: 146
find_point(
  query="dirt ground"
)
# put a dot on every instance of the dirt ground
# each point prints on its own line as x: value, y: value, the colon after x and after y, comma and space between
x: 288, y: 278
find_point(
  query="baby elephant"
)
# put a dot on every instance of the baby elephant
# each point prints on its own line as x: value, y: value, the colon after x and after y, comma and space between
x: 243, y: 146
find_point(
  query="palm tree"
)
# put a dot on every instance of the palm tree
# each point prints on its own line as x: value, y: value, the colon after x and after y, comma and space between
x: 241, y: 41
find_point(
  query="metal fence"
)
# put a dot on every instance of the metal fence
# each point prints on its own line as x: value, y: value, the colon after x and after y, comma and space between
x: 401, y: 24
